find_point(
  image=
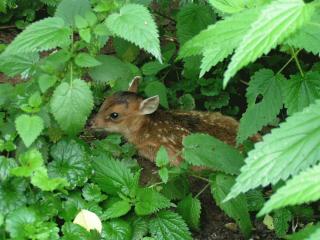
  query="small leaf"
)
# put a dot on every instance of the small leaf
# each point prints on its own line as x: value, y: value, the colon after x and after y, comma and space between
x: 150, y: 201
x: 152, y: 68
x: 157, y: 88
x: 164, y: 174
x: 85, y: 34
x: 86, y: 60
x: 29, y: 162
x: 162, y: 158
x: 46, y: 81
x: 41, y: 180
x: 71, y: 105
x: 167, y: 225
x: 190, y: 209
x: 117, y: 209
x: 80, y: 22
x: 88, y: 220
x: 135, y: 24
x: 29, y: 128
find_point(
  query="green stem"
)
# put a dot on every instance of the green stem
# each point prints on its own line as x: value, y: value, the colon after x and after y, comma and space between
x: 288, y: 62
x: 295, y: 56
x: 201, y: 178
x: 202, y: 190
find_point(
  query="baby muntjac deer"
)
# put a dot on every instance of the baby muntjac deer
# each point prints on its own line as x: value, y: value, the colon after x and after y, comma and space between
x: 147, y: 127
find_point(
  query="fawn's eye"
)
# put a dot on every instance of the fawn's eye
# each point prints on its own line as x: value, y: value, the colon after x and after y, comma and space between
x: 114, y: 115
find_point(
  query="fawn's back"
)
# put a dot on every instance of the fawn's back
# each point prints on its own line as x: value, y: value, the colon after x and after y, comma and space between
x: 147, y: 127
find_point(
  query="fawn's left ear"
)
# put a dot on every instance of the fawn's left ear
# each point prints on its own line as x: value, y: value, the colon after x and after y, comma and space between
x: 134, y: 84
x: 149, y: 105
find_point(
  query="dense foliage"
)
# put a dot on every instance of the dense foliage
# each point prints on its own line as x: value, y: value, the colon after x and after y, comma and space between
x: 254, y: 60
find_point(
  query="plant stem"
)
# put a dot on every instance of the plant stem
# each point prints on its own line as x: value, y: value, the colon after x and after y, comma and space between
x: 289, y: 61
x: 201, y: 178
x: 202, y: 190
x: 295, y: 56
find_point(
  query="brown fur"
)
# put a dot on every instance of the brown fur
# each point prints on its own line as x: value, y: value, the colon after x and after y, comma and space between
x: 167, y: 128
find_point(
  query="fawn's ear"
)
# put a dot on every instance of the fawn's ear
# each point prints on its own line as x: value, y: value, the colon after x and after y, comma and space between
x: 149, y: 105
x: 134, y: 84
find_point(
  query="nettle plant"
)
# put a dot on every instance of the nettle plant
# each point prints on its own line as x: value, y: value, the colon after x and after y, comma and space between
x: 49, y: 171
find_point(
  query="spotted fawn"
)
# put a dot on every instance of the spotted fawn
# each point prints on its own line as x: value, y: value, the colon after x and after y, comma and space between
x: 146, y: 126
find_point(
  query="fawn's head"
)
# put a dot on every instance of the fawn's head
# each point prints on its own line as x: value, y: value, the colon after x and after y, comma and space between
x: 124, y: 112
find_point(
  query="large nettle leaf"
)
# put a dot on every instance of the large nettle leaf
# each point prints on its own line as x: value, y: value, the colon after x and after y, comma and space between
x: 135, y: 24
x: 276, y: 22
x: 70, y: 162
x: 68, y: 9
x: 308, y: 36
x: 29, y: 128
x: 263, y: 83
x: 234, y: 6
x: 236, y: 208
x: 285, y: 152
x: 191, y: 19
x: 205, y: 150
x: 43, y: 35
x: 301, y: 91
x: 71, y: 105
x: 167, y: 225
x: 302, y: 188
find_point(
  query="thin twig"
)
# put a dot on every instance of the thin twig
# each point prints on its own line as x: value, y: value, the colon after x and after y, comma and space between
x: 289, y: 61
x: 201, y: 178
x: 9, y: 26
x: 202, y: 190
x: 295, y: 57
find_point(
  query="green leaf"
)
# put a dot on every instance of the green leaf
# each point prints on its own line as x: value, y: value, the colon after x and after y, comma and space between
x: 15, y: 64
x: 187, y: 102
x: 300, y: 92
x: 6, y: 164
x: 315, y: 235
x: 86, y: 60
x: 70, y: 162
x: 117, y: 230
x: 255, y: 200
x: 46, y: 81
x: 150, y: 201
x: 162, y: 158
x: 191, y: 19
x: 157, y: 88
x: 92, y: 193
x: 140, y: 228
x: 112, y: 71
x: 117, y: 209
x: 167, y: 225
x: 286, y: 151
x: 80, y: 22
x: 152, y: 68
x: 29, y: 128
x: 12, y: 194
x: 190, y: 209
x: 276, y: 22
x: 71, y: 105
x: 135, y: 24
x: 177, y: 188
x: 41, y: 180
x: 302, y: 188
x: 308, y: 36
x: 281, y: 221
x: 43, y: 35
x: 69, y: 9
x: 29, y: 162
x: 304, y: 233
x: 235, y: 208
x: 85, y: 34
x: 164, y: 174
x: 18, y: 220
x: 263, y: 83
x: 204, y: 150
x: 113, y: 176
x: 125, y: 50
x: 234, y: 6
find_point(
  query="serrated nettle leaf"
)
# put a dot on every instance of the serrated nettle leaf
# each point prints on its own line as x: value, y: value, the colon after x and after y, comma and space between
x: 140, y: 228
x: 101, y: 30
x: 205, y: 150
x: 35, y: 100
x: 285, y: 152
x: 152, y: 68
x: 69, y: 9
x: 46, y: 81
x: 191, y: 19
x: 43, y: 35
x: 15, y: 64
x: 308, y: 36
x: 80, y: 22
x: 117, y: 209
x: 157, y: 88
x: 190, y: 209
x: 29, y: 162
x: 92, y: 192
x: 281, y: 221
x: 150, y: 201
x: 235, y: 208
x: 167, y: 225
x: 301, y: 91
x: 71, y: 105
x: 177, y: 188
x: 164, y: 174
x: 85, y: 34
x: 41, y: 180
x: 117, y: 229
x: 29, y: 128
x: 277, y: 21
x: 302, y: 188
x: 162, y: 158
x: 135, y: 24
x: 263, y: 83
x: 86, y: 60
x: 234, y: 6
x: 225, y: 34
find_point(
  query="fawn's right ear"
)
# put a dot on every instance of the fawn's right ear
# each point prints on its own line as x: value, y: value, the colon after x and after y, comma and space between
x: 149, y: 105
x: 134, y: 84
